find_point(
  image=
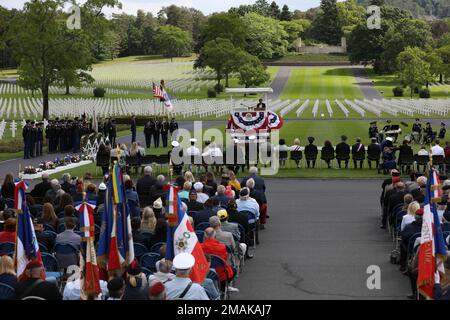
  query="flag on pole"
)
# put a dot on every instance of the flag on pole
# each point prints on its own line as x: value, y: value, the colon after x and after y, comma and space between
x: 26, y: 246
x: 184, y: 239
x: 94, y: 122
x: 115, y: 247
x: 159, y: 92
x: 90, y: 282
x: 432, y: 250
x: 172, y: 212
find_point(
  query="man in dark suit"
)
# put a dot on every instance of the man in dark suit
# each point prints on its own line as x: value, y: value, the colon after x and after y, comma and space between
x: 396, y: 198
x: 373, y: 153
x: 145, y: 184
x: 113, y: 132
x: 358, y: 153
x: 261, y: 106
x: 343, y: 152
x: 26, y: 135
x: 259, y: 182
x: 221, y: 197
x: 399, y: 186
x: 133, y: 128
x: 206, y: 213
x: 41, y: 188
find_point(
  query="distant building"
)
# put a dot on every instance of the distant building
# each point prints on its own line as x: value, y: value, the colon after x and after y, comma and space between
x: 320, y: 49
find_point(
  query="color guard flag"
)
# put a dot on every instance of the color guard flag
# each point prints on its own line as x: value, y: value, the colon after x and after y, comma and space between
x: 432, y: 250
x: 27, y: 247
x: 115, y: 246
x: 89, y: 269
x: 185, y: 240
x: 159, y: 92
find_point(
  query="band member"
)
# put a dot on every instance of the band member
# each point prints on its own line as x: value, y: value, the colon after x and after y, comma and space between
x: 429, y: 134
x: 417, y: 131
x: 442, y: 131
x: 373, y: 130
x: 133, y: 128
x: 172, y: 127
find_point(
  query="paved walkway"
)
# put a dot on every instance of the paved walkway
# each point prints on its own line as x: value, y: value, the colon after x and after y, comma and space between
x: 279, y: 82
x: 365, y: 84
x: 320, y: 238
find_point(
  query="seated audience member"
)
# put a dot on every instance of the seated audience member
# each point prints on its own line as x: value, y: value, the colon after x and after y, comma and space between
x: 259, y: 181
x: 447, y: 149
x: 405, y: 152
x: 9, y: 231
x: 46, y: 239
x: 157, y: 292
x: 373, y: 153
x: 246, y: 203
x: 410, y: 216
x: 136, y: 285
x: 130, y: 193
x: 160, y: 234
x: 7, y: 271
x: 41, y: 188
x: 138, y: 236
x: 297, y: 148
x: 8, y: 187
x: 69, y: 211
x: 260, y: 199
x: 68, y: 235
x: 35, y: 286
x: 72, y: 290
x: 184, y: 194
x: 437, y: 150
x: 327, y: 153
x: 358, y: 153
x: 52, y: 192
x: 35, y: 209
x: 206, y: 213
x: 181, y: 287
x: 212, y: 246
x: 148, y: 222
x: 343, y: 152
x: 233, y: 181
x: 100, y: 194
x: 419, y: 193
x: 201, y: 196
x: 163, y: 274
x: 283, y: 148
x: 224, y: 237
x: 422, y: 151
x: 228, y: 226
x: 158, y: 209
x: 193, y: 204
x: 240, y: 218
x: 64, y: 200
x: 48, y: 216
x: 221, y: 197
x: 67, y: 185
x: 116, y: 288
x: 411, y: 229
x: 157, y: 190
x: 311, y: 152
x: 210, y: 182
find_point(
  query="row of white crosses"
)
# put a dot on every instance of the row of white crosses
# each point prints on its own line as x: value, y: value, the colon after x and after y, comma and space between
x: 13, y: 89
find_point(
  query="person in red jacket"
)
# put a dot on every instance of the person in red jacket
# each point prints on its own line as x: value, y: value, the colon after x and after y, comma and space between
x: 212, y: 246
x: 9, y: 233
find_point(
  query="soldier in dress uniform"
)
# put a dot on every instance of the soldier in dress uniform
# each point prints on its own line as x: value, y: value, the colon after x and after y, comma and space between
x: 373, y: 130
x: 176, y: 156
x: 148, y: 134
x: 33, y: 139
x: 40, y: 139
x: 157, y: 132
x: 417, y: 131
x: 48, y: 134
x: 442, y: 131
x: 164, y: 132
x: 26, y: 132
x: 172, y: 127
x: 112, y: 132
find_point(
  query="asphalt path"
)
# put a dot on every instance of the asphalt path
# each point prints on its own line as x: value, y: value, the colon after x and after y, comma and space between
x: 365, y: 84
x: 319, y: 241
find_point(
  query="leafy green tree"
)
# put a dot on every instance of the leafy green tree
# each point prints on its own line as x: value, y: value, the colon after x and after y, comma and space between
x: 274, y: 10
x: 350, y: 14
x: 413, y: 70
x: 434, y: 59
x: 293, y: 29
x: 325, y: 27
x: 173, y: 42
x: 262, y: 7
x: 285, y: 15
x: 444, y: 53
x: 266, y: 37
x: 406, y: 33
x: 220, y: 55
x: 252, y: 72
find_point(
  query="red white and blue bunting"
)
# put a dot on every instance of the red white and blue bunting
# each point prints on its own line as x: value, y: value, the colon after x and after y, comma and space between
x: 275, y: 121
x: 254, y: 120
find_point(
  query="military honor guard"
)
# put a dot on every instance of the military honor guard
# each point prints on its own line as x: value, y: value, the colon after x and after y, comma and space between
x: 442, y: 131
x: 133, y: 128
x: 172, y: 127
x: 148, y: 133
x: 164, y: 132
x: 157, y: 132
x: 26, y: 135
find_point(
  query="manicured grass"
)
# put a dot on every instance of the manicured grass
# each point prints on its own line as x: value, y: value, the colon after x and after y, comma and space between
x: 321, y: 83
x: 306, y: 57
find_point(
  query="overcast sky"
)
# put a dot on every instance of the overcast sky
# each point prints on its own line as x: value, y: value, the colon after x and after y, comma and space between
x: 206, y: 6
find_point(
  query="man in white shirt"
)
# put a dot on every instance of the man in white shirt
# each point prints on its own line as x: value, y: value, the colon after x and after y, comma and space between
x: 213, y: 151
x: 181, y: 287
x: 437, y: 150
x: 193, y: 150
x: 201, y: 196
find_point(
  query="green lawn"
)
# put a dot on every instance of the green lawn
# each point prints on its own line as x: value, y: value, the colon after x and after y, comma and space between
x: 321, y: 83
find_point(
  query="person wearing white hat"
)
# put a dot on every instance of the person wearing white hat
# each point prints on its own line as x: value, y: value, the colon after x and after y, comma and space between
x: 182, y: 287
x: 193, y: 150
x: 201, y: 196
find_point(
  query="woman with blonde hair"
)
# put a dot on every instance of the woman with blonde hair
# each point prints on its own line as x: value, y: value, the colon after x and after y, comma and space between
x: 134, y: 150
x: 189, y: 177
x: 136, y: 285
x: 48, y: 215
x: 148, y: 222
x: 234, y: 183
x: 7, y: 271
x: 410, y: 216
x: 297, y: 148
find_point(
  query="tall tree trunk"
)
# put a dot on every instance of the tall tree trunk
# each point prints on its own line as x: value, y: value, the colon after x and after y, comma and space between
x: 226, y: 80
x: 45, y: 100
x: 67, y: 89
x: 412, y: 91
x: 440, y: 78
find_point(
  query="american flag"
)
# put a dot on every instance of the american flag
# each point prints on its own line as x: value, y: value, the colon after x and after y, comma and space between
x: 157, y: 92
x: 160, y: 93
